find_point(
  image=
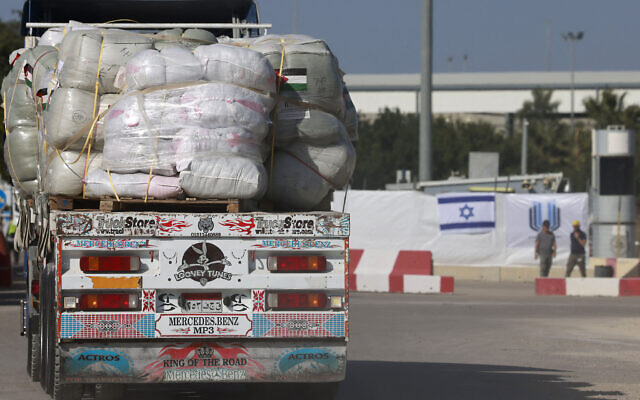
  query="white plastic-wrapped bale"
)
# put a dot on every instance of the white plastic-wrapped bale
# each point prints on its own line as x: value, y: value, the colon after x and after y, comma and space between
x: 294, y: 186
x: 68, y: 118
x: 83, y: 52
x: 20, y: 108
x: 39, y: 61
x: 21, y: 153
x: 237, y: 65
x: 218, y: 105
x: 106, y: 101
x: 98, y: 183
x: 52, y: 37
x: 139, y: 130
x: 303, y: 173
x: 173, y: 64
x: 202, y: 144
x: 309, y: 69
x: 308, y: 125
x: 225, y: 177
x: 64, y: 171
x: 26, y: 188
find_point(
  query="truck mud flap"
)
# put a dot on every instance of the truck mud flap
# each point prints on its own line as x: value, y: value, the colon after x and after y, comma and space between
x: 205, y: 361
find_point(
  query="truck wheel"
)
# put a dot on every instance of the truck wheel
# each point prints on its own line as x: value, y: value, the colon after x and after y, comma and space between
x: 110, y: 391
x: 44, y: 331
x: 33, y: 355
x: 64, y: 391
x: 51, y: 345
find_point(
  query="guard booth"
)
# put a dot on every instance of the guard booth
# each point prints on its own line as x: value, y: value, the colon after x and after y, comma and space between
x: 612, y: 192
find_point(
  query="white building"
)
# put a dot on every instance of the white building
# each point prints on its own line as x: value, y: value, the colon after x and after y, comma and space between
x: 491, y: 93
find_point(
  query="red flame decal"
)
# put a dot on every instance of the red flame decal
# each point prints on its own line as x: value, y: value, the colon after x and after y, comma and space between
x: 170, y: 225
x: 240, y: 225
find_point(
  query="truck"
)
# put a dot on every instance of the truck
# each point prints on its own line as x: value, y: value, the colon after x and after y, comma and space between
x: 129, y: 291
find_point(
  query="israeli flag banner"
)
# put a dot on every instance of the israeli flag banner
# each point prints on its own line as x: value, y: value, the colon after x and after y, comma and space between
x: 466, y: 212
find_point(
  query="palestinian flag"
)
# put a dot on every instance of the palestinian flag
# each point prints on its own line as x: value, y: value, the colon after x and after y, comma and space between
x: 28, y: 74
x: 294, y: 80
x: 43, y: 95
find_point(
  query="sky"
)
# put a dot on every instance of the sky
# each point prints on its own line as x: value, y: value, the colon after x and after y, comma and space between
x: 375, y: 36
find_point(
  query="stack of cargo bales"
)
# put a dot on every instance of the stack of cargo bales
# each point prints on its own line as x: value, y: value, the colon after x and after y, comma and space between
x: 200, y: 116
x: 313, y: 150
x: 89, y: 60
x: 21, y: 142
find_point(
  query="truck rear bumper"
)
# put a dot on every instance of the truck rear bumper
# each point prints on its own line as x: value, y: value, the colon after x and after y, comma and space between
x: 205, y: 361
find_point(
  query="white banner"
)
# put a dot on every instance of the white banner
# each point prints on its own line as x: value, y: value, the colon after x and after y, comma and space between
x: 466, y: 212
x: 524, y: 214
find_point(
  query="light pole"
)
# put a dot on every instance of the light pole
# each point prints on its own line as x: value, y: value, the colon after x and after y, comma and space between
x: 425, y: 142
x: 572, y: 38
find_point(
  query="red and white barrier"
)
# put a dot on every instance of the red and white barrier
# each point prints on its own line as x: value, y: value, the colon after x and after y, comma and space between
x: 404, y: 271
x: 588, y: 286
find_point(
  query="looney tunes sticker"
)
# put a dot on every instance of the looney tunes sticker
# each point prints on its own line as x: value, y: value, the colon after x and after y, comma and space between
x: 203, y: 262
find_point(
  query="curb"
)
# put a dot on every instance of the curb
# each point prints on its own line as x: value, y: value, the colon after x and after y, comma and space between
x: 403, y: 271
x: 611, y: 287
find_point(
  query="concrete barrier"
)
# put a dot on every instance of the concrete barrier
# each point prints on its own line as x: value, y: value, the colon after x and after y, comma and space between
x: 404, y: 271
x: 611, y: 287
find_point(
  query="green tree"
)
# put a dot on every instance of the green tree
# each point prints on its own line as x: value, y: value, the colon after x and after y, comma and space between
x: 390, y: 142
x: 549, y: 140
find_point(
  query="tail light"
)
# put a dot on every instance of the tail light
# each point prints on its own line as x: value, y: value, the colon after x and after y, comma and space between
x: 297, y: 263
x: 297, y: 301
x: 108, y: 302
x: 35, y: 288
x: 109, y: 263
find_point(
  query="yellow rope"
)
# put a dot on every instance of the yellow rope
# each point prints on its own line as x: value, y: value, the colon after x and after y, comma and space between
x: 94, y: 114
x: 112, y: 186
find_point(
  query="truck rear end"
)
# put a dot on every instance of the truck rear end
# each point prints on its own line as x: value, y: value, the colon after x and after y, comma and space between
x: 193, y: 297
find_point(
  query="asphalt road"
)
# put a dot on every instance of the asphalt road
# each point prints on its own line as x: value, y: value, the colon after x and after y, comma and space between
x: 486, y: 341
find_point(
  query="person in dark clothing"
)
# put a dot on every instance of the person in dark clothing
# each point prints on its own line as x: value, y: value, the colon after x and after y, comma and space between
x: 545, y: 248
x: 577, y: 256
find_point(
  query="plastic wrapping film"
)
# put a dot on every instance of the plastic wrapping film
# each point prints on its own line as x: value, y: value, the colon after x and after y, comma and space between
x: 146, y: 129
x: 172, y: 64
x: 225, y: 177
x: 84, y: 52
x: 69, y: 117
x: 194, y: 118
x: 100, y: 183
x: 237, y: 65
x: 191, y: 38
x: 310, y: 72
x: 21, y: 153
x: 16, y: 96
x: 64, y: 171
x: 303, y: 174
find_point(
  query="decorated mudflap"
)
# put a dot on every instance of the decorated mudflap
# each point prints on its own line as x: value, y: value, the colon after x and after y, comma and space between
x: 205, y: 361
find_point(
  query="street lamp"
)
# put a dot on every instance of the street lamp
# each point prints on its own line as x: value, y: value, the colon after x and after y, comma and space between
x: 572, y: 38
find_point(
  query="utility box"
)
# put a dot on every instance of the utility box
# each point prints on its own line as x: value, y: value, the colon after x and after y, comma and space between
x: 483, y: 164
x: 612, y: 192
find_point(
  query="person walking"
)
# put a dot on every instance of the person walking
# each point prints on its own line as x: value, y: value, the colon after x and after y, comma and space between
x: 577, y: 256
x: 545, y: 248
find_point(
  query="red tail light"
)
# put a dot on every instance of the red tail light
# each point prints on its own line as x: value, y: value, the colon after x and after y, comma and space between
x: 109, y: 263
x: 35, y: 288
x: 108, y: 302
x: 297, y: 301
x: 297, y: 263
